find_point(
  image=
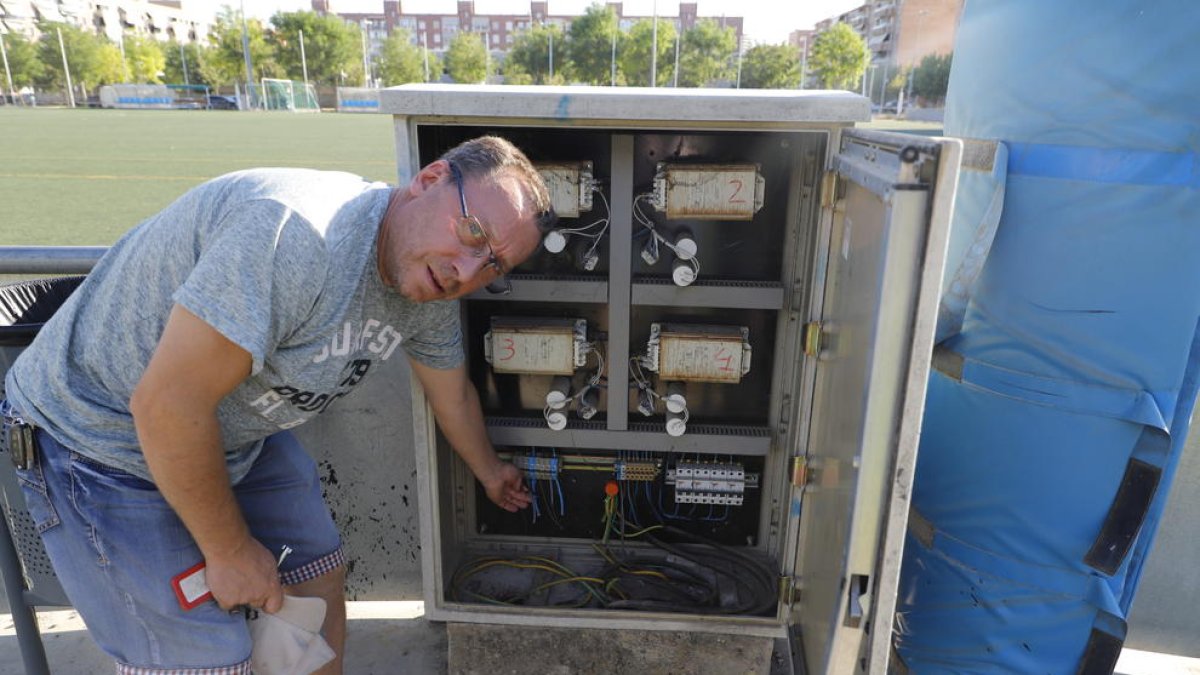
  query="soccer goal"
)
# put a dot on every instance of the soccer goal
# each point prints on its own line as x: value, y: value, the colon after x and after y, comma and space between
x: 287, y: 95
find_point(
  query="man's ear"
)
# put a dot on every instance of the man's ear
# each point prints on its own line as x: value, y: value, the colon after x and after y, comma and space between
x: 432, y: 174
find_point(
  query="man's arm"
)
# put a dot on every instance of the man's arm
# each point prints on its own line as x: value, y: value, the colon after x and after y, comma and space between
x: 455, y: 404
x: 174, y: 410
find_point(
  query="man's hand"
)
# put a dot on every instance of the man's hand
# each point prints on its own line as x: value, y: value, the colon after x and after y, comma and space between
x: 506, y: 487
x: 247, y: 576
x: 455, y: 404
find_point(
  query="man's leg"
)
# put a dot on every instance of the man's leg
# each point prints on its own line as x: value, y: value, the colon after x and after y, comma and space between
x: 281, y: 500
x: 115, y: 545
x: 332, y: 588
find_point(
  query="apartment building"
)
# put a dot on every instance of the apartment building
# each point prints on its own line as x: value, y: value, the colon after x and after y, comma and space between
x: 437, y: 31
x: 902, y: 32
x: 158, y: 19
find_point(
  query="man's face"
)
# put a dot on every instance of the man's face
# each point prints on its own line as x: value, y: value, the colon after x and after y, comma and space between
x: 429, y: 252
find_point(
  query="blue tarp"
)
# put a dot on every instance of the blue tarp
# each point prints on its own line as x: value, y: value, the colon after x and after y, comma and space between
x: 1066, y: 373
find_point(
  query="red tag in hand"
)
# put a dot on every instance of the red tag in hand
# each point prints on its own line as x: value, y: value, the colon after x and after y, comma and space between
x: 191, y: 588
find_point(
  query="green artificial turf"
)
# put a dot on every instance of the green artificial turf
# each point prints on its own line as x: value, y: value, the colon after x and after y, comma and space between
x: 84, y: 177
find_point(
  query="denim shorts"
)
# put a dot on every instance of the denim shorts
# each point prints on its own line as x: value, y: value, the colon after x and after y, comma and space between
x: 116, y: 544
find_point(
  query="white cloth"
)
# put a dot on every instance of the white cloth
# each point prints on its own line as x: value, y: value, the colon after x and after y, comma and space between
x: 289, y: 642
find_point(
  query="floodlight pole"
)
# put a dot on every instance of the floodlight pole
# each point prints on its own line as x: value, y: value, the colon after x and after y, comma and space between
x: 739, y: 68
x: 675, y: 73
x: 8, y: 73
x: 183, y: 60
x: 362, y: 32
x: 303, y: 61
x: 66, y: 69
x: 654, y: 49
x: 613, y: 78
x: 246, y: 56
x: 550, y: 55
x: 425, y: 37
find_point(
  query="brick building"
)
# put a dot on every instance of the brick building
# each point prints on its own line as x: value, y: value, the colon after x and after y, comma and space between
x: 437, y: 31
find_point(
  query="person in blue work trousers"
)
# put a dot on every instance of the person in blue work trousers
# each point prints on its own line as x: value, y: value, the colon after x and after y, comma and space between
x: 160, y: 394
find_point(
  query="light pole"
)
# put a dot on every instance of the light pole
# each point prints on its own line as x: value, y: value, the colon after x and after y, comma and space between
x: 916, y: 39
x: 613, y: 77
x: 654, y: 49
x: 7, y: 72
x: 425, y: 38
x: 246, y: 56
x: 66, y: 68
x: 304, y: 61
x: 183, y: 62
x: 675, y: 73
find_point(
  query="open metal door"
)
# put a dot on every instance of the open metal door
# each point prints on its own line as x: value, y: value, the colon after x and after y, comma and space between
x: 886, y: 208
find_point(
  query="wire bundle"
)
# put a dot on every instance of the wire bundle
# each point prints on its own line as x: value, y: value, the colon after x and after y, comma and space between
x: 687, y: 579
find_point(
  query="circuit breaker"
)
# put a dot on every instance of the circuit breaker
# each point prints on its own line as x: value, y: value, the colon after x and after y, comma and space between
x: 711, y: 374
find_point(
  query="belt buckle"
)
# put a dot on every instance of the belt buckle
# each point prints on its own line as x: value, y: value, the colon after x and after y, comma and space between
x: 22, y: 445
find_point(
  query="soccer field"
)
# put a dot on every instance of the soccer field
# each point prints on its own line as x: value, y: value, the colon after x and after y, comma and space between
x: 84, y: 177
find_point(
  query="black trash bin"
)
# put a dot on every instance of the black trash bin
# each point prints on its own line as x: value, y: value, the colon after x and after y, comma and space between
x: 29, y: 579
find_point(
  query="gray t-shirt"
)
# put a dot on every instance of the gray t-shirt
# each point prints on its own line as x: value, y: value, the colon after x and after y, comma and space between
x: 281, y: 262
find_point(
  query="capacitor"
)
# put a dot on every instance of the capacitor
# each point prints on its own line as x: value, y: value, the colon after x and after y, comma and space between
x: 554, y: 241
x: 685, y: 244
x: 560, y: 392
x: 676, y: 398
x: 589, y: 402
x: 682, y: 273
x: 556, y: 420
x: 676, y: 424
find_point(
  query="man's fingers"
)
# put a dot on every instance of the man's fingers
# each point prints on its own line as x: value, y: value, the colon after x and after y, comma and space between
x: 274, y: 602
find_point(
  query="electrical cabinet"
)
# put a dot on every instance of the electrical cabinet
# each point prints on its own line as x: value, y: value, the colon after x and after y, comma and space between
x: 712, y: 373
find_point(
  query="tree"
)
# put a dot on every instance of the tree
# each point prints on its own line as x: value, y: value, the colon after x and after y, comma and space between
x: 22, y: 60
x: 635, y: 50
x: 706, y: 54
x: 466, y: 59
x: 931, y: 77
x: 196, y: 57
x: 771, y: 67
x: 400, y: 61
x: 145, y: 59
x: 590, y: 45
x: 528, y: 60
x: 227, y: 60
x: 839, y: 57
x: 93, y: 61
x: 331, y: 46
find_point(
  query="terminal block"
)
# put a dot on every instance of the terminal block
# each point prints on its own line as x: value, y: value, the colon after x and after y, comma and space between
x: 536, y: 346
x: 708, y: 191
x: 538, y: 467
x: 635, y: 470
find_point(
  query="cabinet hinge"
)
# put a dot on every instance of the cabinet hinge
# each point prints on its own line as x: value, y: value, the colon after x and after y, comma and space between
x: 789, y: 590
x: 799, y: 472
x: 812, y: 338
x: 828, y: 189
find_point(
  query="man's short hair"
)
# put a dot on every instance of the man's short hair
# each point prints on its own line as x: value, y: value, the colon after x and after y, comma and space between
x: 487, y: 155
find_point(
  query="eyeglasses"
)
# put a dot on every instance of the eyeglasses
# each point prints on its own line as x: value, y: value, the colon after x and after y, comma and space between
x: 471, y: 233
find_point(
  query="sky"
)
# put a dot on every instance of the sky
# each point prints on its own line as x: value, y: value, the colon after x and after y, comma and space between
x: 767, y: 21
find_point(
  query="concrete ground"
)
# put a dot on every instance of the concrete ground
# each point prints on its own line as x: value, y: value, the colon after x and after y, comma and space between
x: 393, y: 638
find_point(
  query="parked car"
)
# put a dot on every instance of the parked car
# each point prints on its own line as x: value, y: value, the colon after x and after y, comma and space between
x: 217, y: 102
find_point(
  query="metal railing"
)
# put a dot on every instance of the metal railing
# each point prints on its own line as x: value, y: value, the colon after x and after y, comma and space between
x: 49, y: 259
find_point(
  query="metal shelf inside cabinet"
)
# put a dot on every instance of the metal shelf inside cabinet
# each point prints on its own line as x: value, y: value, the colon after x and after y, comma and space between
x: 721, y: 293
x: 543, y: 288
x: 726, y: 439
